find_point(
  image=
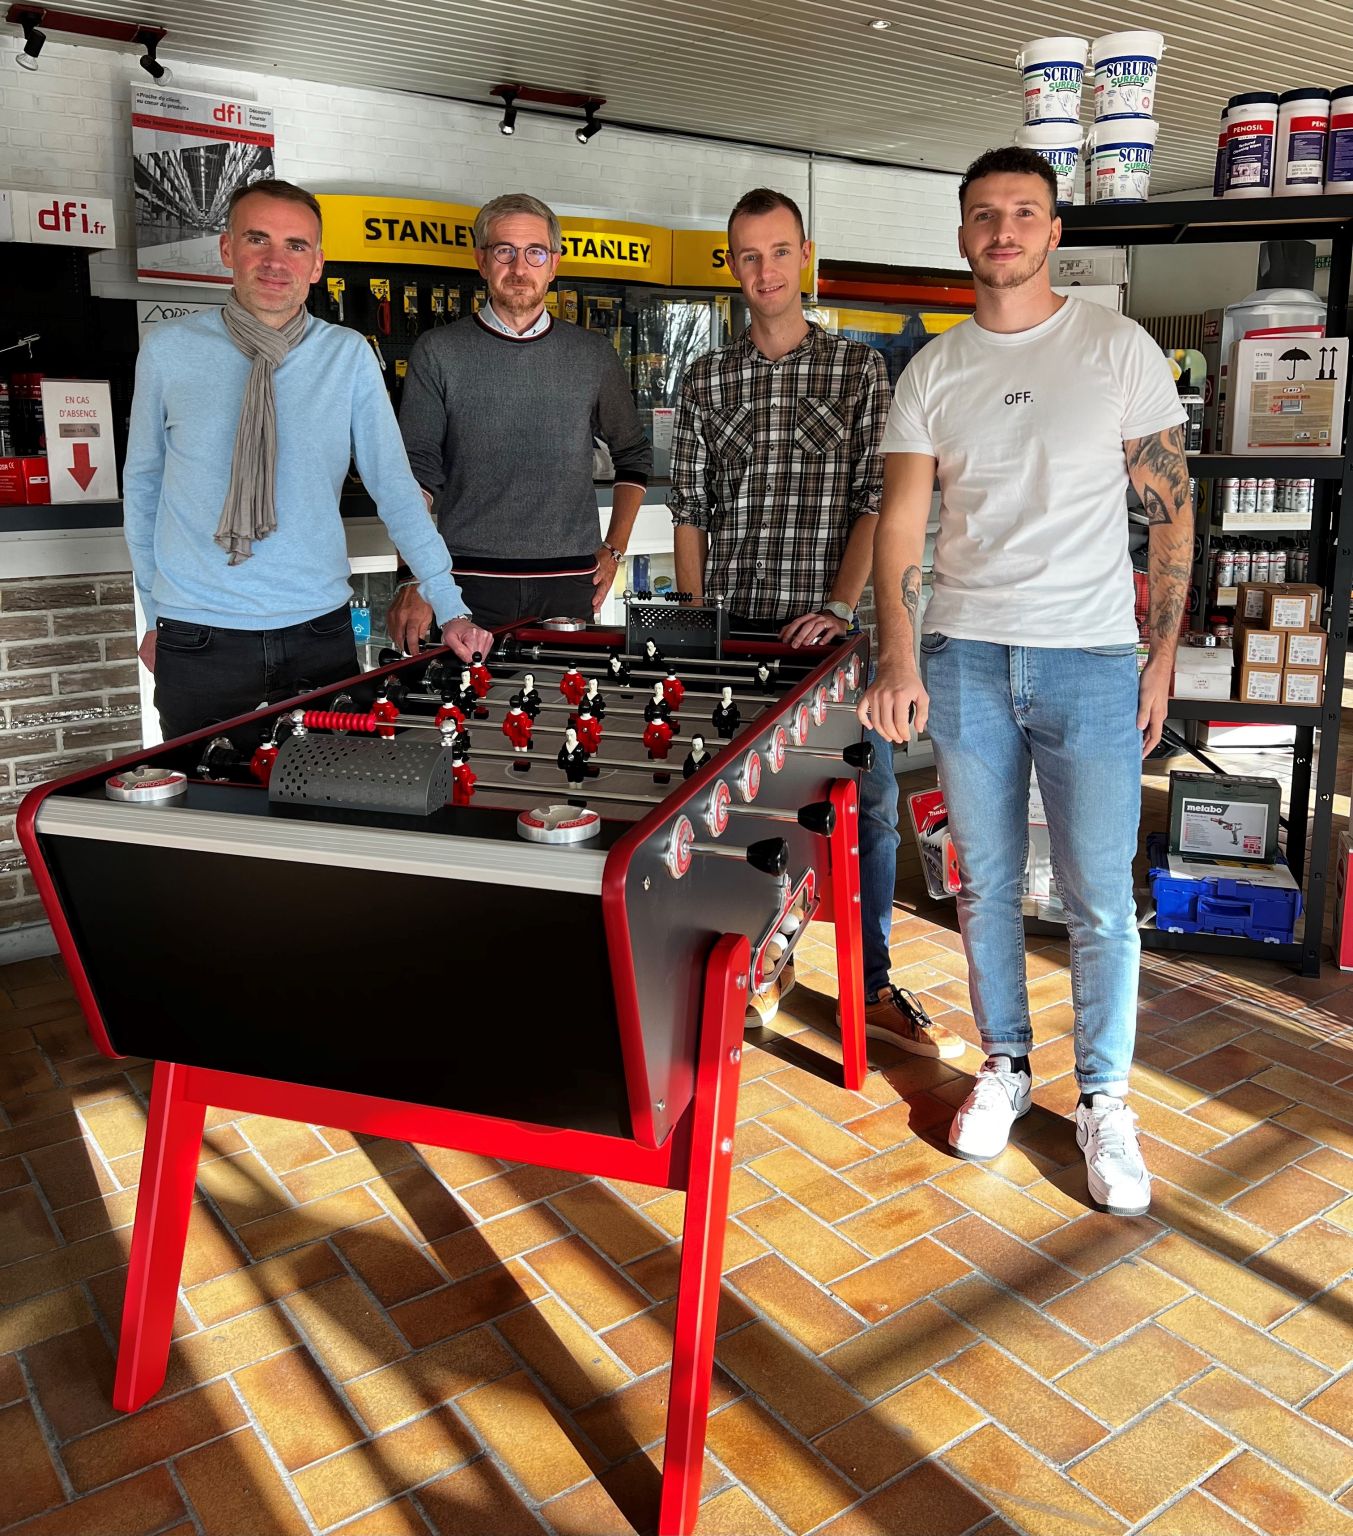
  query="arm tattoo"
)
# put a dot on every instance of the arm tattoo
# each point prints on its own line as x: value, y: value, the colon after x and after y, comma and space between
x: 1160, y: 474
x: 911, y: 592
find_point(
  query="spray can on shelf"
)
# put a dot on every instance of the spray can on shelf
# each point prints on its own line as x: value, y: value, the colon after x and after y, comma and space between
x: 1260, y: 564
x: 1228, y: 491
x: 1247, y: 497
x: 1226, y: 566
x: 1244, y: 564
x: 1264, y: 497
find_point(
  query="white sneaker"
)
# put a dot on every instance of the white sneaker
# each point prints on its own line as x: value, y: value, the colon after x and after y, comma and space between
x: 999, y: 1097
x: 1106, y: 1130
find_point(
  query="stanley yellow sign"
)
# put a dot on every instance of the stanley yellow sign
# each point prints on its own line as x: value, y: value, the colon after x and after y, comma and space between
x: 413, y: 231
x: 700, y: 260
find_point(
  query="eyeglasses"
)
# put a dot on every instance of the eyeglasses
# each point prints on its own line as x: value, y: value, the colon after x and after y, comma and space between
x: 536, y: 255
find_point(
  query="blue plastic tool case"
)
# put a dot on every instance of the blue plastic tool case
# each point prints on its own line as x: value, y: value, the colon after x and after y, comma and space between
x: 1238, y: 907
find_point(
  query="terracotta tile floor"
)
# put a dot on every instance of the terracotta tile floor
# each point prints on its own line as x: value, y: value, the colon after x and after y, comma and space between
x: 378, y: 1340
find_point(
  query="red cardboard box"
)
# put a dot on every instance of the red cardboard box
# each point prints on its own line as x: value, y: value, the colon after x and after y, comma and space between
x: 11, y: 483
x: 37, y: 482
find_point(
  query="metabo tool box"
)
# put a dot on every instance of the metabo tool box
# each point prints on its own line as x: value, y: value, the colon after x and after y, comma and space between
x: 1244, y: 900
x: 1228, y: 816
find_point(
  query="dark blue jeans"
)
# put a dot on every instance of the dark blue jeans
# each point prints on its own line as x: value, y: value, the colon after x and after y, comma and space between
x: 204, y: 673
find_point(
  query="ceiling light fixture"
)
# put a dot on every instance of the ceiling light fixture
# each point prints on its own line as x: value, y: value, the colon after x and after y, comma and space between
x: 879, y: 24
x: 32, y: 39
x: 591, y: 126
x: 508, y: 125
x: 149, y: 39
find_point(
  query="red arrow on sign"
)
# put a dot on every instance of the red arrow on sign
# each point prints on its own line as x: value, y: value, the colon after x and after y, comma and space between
x: 82, y: 471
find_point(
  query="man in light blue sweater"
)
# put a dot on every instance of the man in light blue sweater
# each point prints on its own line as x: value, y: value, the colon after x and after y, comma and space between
x: 242, y: 427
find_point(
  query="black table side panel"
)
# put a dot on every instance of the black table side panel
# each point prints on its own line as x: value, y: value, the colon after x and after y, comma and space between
x: 487, y: 998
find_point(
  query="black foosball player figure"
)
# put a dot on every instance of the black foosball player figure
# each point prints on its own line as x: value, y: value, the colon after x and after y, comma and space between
x: 572, y: 759
x: 616, y: 668
x: 480, y: 676
x: 595, y: 699
x: 517, y: 726
x: 673, y: 689
x: 466, y: 697
x: 727, y: 716
x: 652, y: 655
x: 765, y: 677
x: 528, y: 695
x: 588, y: 727
x: 696, y: 758
x: 572, y: 685
x: 657, y: 707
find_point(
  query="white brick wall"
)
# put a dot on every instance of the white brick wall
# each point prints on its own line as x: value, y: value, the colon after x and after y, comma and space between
x: 66, y: 127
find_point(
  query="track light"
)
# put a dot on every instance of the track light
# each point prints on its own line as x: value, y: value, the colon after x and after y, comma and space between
x: 508, y: 125
x: 149, y: 39
x: 33, y: 40
x: 591, y: 126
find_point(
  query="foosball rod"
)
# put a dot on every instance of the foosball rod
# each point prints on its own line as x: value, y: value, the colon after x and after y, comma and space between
x: 819, y: 816
x: 537, y: 650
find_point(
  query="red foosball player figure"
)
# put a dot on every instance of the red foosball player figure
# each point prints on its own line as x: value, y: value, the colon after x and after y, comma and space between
x: 657, y: 737
x: 462, y: 778
x: 588, y: 728
x: 517, y: 728
x: 573, y: 685
x: 385, y: 709
x: 480, y: 677
x: 572, y: 758
x: 673, y: 689
x: 450, y: 710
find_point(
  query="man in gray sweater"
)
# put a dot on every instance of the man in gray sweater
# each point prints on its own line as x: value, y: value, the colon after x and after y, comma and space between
x: 498, y: 417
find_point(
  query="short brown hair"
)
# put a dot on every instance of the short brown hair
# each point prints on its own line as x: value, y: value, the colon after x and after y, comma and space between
x: 1012, y: 160
x: 765, y: 200
x: 283, y: 191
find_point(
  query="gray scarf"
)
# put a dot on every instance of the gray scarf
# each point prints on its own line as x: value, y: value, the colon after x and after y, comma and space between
x: 250, y: 510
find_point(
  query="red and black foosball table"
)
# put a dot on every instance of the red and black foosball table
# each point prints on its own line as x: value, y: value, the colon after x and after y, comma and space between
x: 391, y: 907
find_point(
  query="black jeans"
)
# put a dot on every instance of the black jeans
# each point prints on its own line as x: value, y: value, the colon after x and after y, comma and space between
x: 204, y: 673
x: 497, y: 600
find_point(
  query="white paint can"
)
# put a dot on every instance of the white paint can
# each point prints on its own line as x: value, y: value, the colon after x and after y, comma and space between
x: 1251, y: 132
x: 1339, y: 156
x: 1303, y: 129
x: 1125, y: 66
x: 1054, y: 70
x: 1120, y: 163
x: 1060, y: 145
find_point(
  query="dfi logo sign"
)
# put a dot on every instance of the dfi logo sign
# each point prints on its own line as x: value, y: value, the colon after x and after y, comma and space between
x: 70, y: 217
x: 60, y: 220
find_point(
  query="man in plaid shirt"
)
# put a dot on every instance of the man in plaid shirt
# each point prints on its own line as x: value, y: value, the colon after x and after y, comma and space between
x: 776, y: 478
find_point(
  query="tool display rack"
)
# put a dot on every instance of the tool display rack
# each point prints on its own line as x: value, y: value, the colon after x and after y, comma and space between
x: 1207, y: 221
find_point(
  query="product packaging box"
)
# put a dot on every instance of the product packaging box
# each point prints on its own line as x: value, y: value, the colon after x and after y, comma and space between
x: 1240, y: 898
x: 1294, y: 605
x: 11, y: 483
x: 1285, y: 394
x: 1203, y: 672
x: 1305, y: 651
x: 1260, y: 648
x: 1259, y: 685
x: 1215, y: 815
x: 1302, y: 687
x: 1343, y: 914
x: 1254, y: 603
x: 929, y: 819
x: 25, y: 482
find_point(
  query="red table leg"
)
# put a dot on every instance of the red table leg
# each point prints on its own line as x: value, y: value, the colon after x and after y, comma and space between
x: 714, y: 1114
x: 844, y: 884
x: 163, y: 1204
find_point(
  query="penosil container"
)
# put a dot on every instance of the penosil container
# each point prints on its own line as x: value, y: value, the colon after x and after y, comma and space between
x: 1120, y: 163
x: 1251, y: 128
x: 1219, y: 171
x: 1125, y: 65
x: 1053, y: 70
x: 1339, y: 155
x: 1299, y: 155
x: 1060, y: 145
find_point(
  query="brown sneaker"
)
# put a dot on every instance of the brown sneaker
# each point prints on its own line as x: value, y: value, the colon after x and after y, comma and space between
x: 898, y: 1017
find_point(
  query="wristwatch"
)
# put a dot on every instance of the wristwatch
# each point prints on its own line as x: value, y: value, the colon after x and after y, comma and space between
x: 842, y: 611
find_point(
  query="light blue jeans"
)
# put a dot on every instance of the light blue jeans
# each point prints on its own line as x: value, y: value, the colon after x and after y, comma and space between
x: 994, y: 709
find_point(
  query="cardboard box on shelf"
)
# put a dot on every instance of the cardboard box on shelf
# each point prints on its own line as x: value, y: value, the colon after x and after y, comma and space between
x: 1306, y: 651
x: 11, y: 483
x: 1255, y: 599
x: 1250, y: 596
x: 37, y: 484
x: 1259, y: 685
x: 1285, y: 394
x: 1224, y: 815
x: 1343, y: 914
x: 1301, y: 687
x: 1260, y: 648
x: 1290, y: 607
x: 1203, y: 672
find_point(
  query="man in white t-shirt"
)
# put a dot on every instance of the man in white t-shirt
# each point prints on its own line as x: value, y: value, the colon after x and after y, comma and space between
x: 1036, y: 415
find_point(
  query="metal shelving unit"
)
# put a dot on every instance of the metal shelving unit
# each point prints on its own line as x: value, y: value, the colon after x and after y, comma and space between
x: 1206, y: 221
